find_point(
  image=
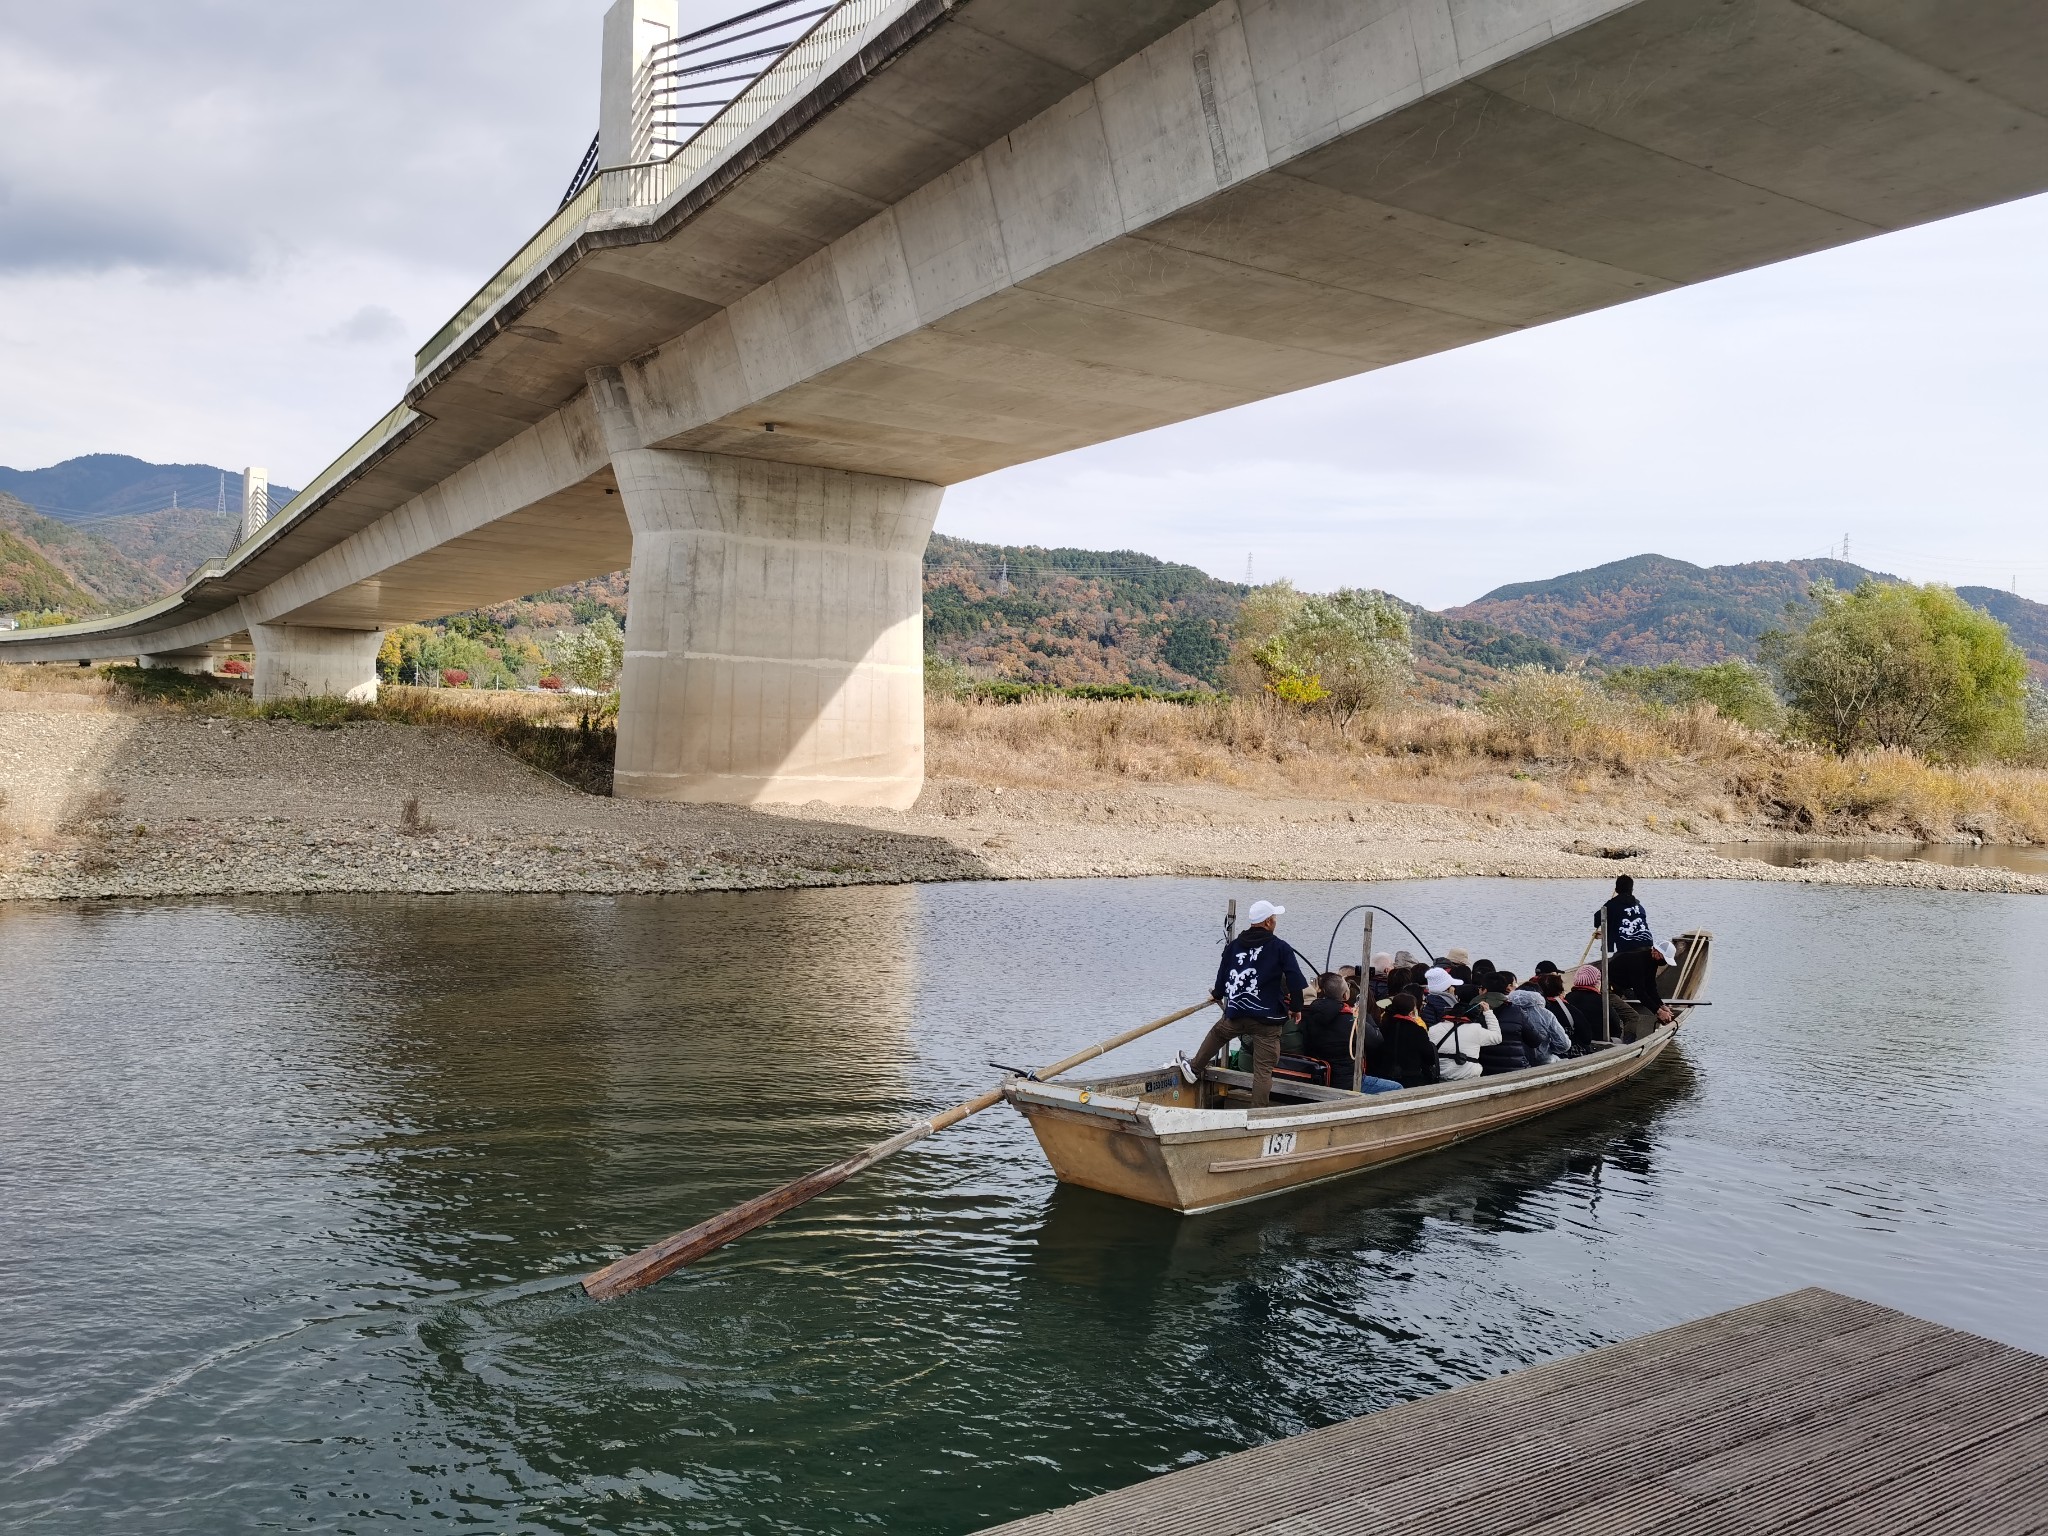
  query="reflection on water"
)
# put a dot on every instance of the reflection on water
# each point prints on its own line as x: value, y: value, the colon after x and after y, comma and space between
x: 2027, y: 861
x: 293, y: 1195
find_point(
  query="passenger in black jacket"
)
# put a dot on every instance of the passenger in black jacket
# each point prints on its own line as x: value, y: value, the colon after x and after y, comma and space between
x: 1259, y: 982
x: 1520, y: 1042
x: 1326, y: 1027
x: 1583, y: 1003
x: 1407, y: 1054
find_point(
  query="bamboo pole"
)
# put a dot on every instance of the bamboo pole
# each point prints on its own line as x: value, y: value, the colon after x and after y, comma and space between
x: 1362, y: 1009
x: 1606, y: 986
x: 662, y: 1259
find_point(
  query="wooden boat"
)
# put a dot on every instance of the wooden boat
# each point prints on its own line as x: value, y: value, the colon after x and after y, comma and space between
x: 1151, y: 1136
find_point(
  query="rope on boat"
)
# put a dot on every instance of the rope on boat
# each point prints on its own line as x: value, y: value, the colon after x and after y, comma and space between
x: 1367, y: 906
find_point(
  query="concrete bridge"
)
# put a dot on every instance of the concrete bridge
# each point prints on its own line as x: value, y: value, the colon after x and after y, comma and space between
x: 940, y: 237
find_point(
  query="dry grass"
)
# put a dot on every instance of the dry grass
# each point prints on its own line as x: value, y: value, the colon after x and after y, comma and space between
x: 19, y: 677
x: 1689, y: 769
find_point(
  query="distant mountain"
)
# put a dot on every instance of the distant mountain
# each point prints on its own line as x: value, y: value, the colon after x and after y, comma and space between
x: 1069, y: 616
x: 48, y: 564
x: 103, y: 485
x: 2026, y: 619
x: 163, y: 519
x: 1650, y: 609
x: 29, y: 579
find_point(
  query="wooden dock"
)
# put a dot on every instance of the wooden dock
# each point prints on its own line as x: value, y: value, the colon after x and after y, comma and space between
x: 1811, y: 1412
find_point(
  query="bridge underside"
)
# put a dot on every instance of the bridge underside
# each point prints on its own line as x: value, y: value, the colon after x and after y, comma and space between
x: 1031, y: 229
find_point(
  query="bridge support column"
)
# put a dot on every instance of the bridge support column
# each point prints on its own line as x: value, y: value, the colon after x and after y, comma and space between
x: 775, y: 632
x: 299, y: 661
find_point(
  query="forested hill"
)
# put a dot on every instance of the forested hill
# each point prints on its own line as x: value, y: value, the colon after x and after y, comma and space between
x: 97, y: 486
x: 1071, y: 616
x: 1651, y: 609
x: 47, y: 565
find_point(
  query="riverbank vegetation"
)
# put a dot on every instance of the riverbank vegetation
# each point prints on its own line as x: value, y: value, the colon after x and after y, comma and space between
x: 1893, y: 710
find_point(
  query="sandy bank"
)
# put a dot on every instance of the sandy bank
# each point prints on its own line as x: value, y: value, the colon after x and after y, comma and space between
x: 106, y: 801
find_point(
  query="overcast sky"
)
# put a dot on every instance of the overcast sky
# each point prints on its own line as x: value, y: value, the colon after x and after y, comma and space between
x: 224, y: 226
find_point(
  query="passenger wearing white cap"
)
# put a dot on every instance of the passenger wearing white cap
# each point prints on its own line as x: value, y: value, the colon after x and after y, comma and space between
x: 1260, y: 984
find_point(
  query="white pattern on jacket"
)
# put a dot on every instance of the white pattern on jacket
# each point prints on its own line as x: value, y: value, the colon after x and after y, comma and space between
x: 1462, y: 1037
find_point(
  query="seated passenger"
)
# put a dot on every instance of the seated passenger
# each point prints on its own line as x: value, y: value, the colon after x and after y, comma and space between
x: 1553, y: 1003
x: 1407, y: 1055
x: 1584, y: 1003
x: 1494, y: 989
x: 1553, y: 1040
x: 1326, y: 1028
x: 1441, y: 996
x: 1519, y: 1039
x: 1460, y: 1037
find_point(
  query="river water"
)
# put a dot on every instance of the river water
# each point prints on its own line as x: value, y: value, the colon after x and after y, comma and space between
x: 293, y: 1195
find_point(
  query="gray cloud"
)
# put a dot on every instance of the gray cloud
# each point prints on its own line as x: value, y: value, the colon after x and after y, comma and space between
x: 371, y: 325
x: 219, y: 137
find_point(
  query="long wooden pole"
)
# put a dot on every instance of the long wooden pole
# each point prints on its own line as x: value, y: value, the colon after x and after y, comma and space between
x: 662, y: 1259
x: 1362, y: 1009
x: 1606, y: 988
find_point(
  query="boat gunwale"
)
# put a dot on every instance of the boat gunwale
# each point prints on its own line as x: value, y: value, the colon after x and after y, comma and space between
x: 1217, y: 1123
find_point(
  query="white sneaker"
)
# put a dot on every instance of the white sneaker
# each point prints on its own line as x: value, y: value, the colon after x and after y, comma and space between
x: 1188, y: 1074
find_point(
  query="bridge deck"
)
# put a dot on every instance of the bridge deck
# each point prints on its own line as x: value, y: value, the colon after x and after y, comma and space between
x: 1811, y: 1412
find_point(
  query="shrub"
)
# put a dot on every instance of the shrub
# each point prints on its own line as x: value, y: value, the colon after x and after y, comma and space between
x: 1739, y: 690
x: 591, y: 657
x: 1896, y: 666
x: 1548, y: 712
x: 454, y: 677
x: 1347, y: 653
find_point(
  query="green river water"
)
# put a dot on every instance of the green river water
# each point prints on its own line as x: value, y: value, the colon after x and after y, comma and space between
x: 294, y: 1195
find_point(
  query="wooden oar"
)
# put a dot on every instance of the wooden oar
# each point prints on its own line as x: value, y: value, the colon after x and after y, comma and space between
x: 670, y: 1254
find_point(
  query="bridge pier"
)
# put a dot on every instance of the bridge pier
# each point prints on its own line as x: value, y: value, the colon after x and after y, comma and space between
x: 300, y: 661
x: 775, y: 634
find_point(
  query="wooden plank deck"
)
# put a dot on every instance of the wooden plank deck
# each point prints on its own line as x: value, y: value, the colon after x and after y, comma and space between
x: 1810, y: 1412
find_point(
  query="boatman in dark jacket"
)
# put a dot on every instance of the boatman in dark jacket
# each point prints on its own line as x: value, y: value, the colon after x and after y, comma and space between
x: 1259, y: 983
x: 1633, y: 971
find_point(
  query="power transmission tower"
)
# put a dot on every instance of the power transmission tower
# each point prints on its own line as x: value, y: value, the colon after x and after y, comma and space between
x: 1247, y: 570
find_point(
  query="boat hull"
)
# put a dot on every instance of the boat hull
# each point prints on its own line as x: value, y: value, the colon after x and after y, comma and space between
x: 1144, y: 1139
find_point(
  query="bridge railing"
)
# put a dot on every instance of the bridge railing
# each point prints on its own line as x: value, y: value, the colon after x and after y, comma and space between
x: 656, y: 181
x: 833, y: 29
x: 352, y: 457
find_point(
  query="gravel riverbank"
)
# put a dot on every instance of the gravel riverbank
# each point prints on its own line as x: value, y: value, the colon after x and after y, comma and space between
x: 102, y: 801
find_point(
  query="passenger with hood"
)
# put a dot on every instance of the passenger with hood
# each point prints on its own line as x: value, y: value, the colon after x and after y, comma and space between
x: 1552, y: 1041
x: 1583, y: 1003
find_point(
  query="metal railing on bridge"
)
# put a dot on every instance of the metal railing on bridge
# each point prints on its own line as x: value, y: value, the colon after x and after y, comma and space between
x: 707, y: 90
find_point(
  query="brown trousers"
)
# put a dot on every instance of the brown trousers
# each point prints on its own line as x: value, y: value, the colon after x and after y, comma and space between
x: 1265, y: 1039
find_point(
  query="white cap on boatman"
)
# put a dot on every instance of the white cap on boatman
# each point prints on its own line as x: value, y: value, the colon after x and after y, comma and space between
x: 1261, y: 910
